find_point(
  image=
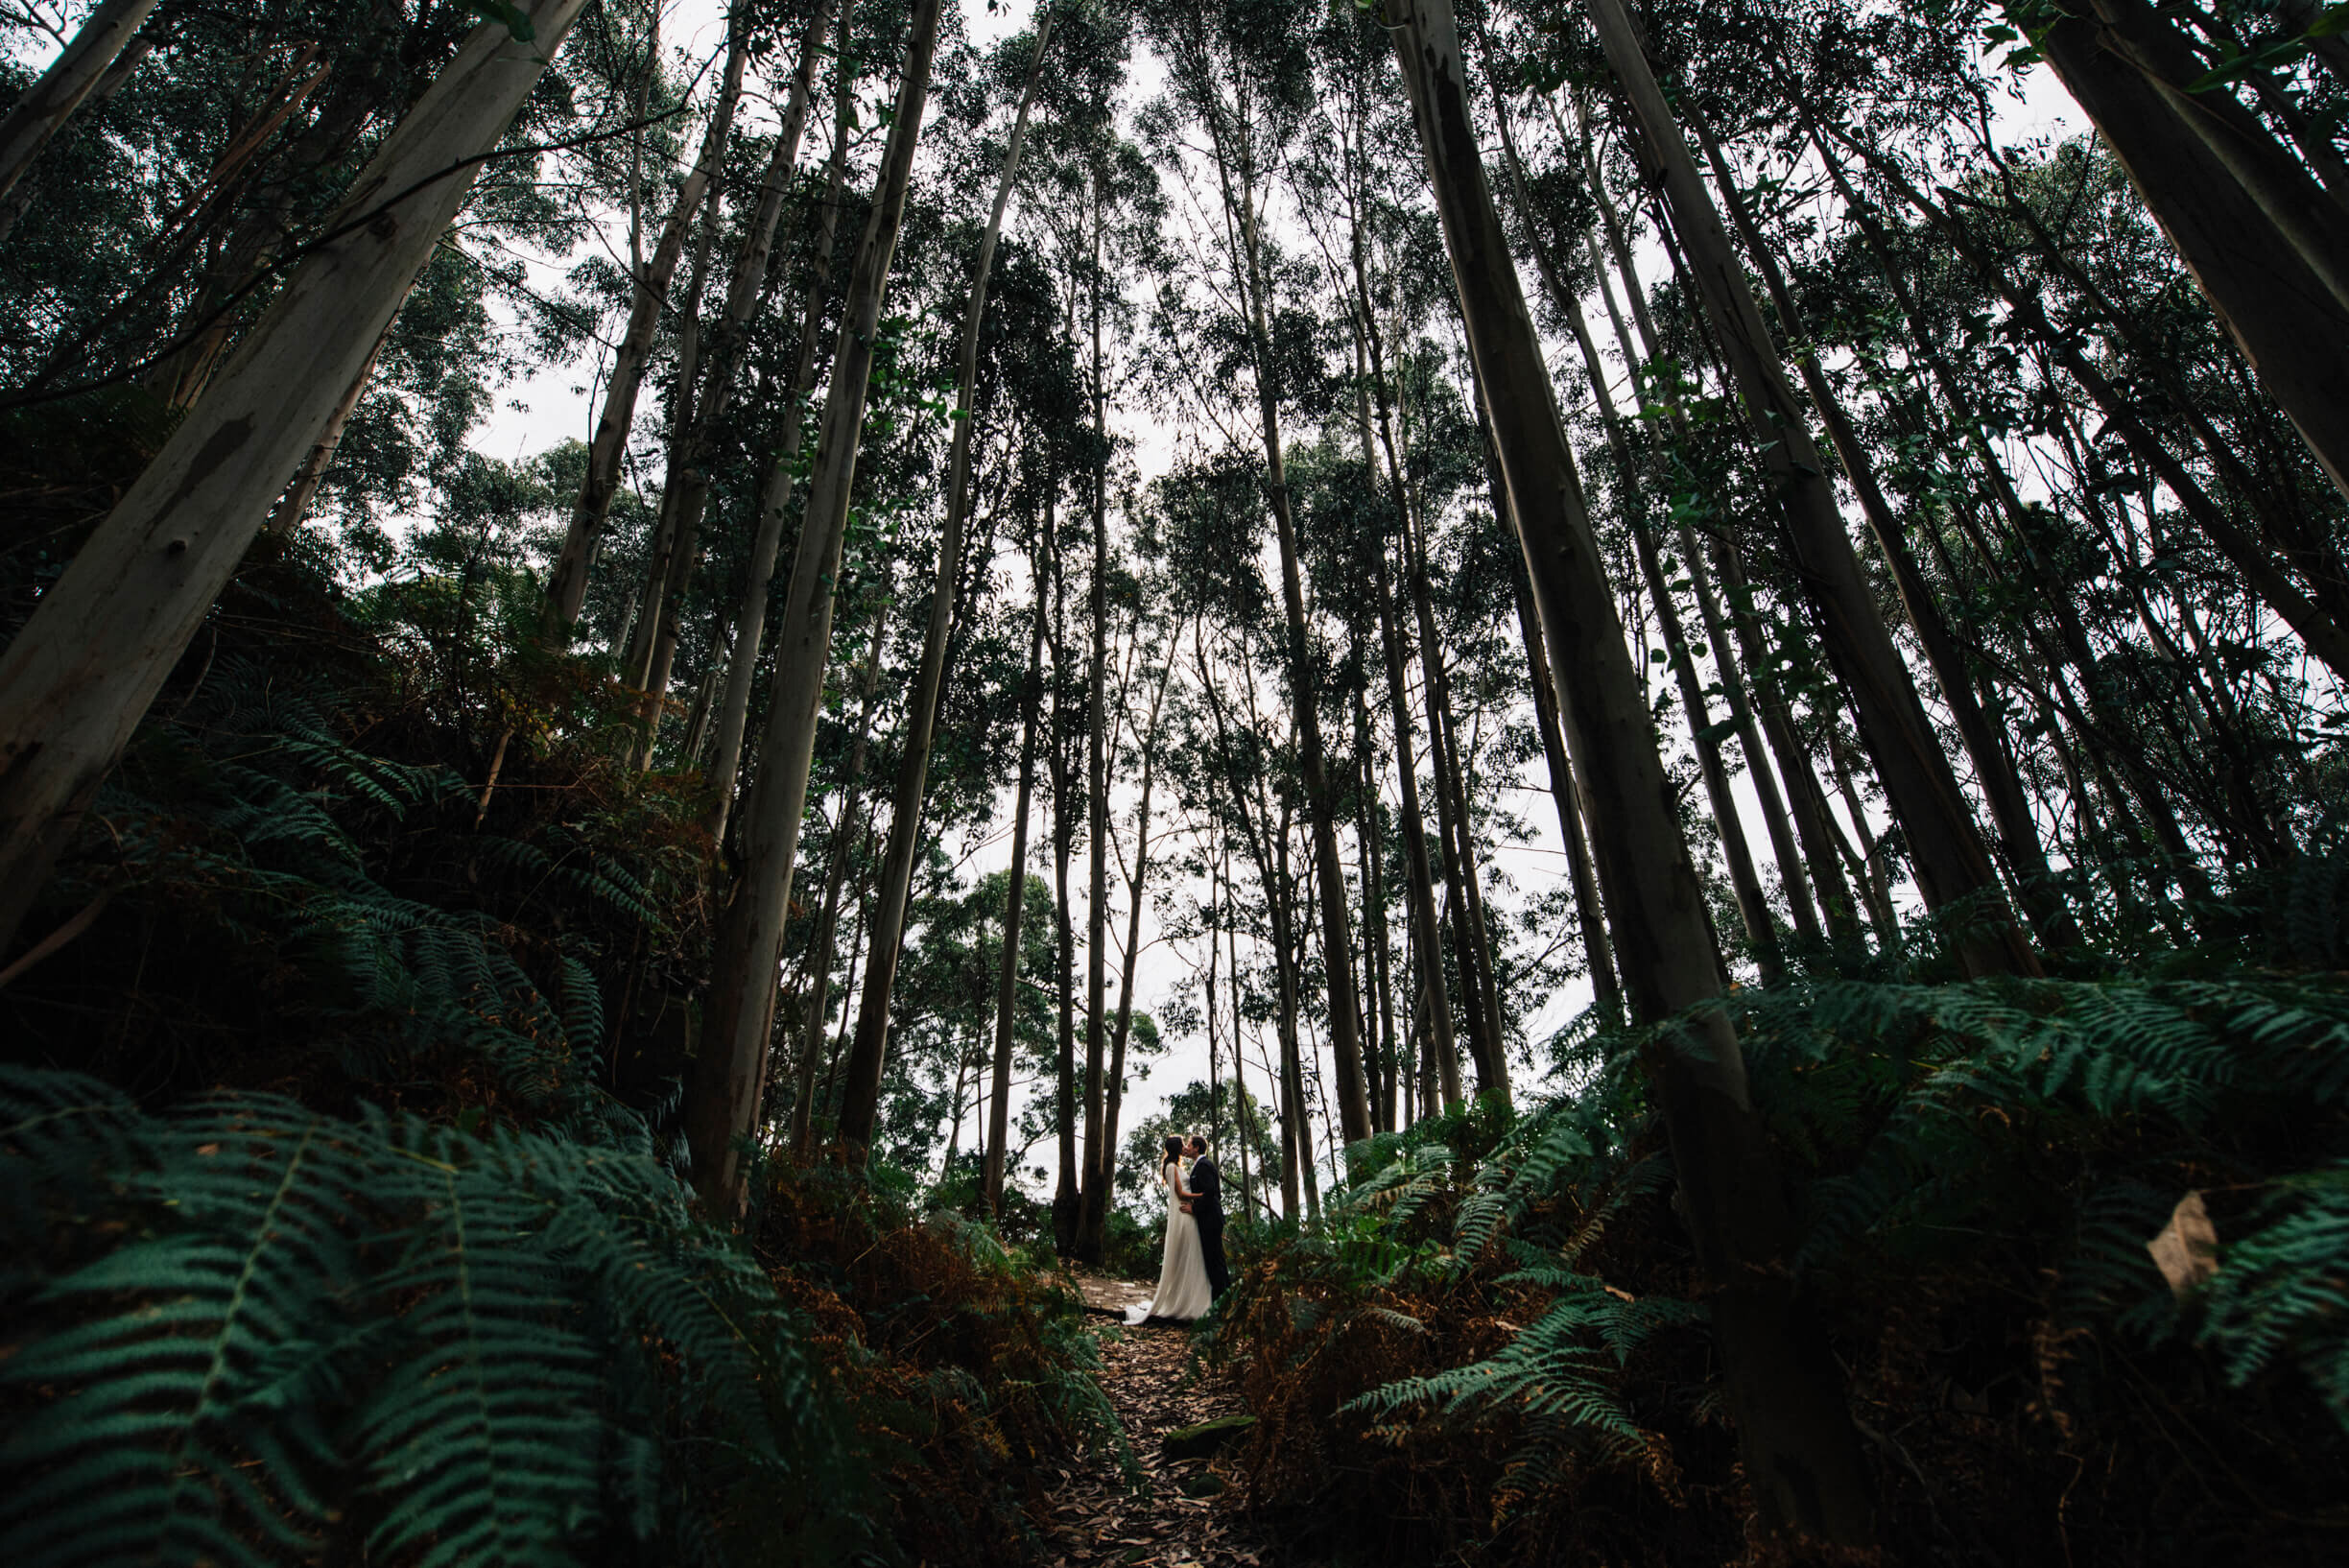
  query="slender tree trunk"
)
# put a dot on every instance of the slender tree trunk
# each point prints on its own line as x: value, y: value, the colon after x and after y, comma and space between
x: 870, y: 1053
x: 1427, y: 938
x: 1136, y: 890
x: 2018, y: 831
x: 2268, y: 246
x: 75, y: 681
x: 1453, y: 821
x: 1304, y: 685
x: 686, y: 485
x: 827, y: 920
x: 567, y: 585
x: 1370, y: 846
x: 1801, y: 1458
x: 51, y: 101
x: 1597, y: 954
x: 1952, y: 868
x: 774, y: 499
x: 292, y: 506
x: 721, y: 1090
x: 1806, y: 802
x: 1067, y: 1192
x: 1007, y: 987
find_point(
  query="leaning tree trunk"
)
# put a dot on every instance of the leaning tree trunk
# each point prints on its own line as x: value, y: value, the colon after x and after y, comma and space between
x: 774, y: 498
x: 686, y: 486
x: 77, y: 678
x: 567, y: 585
x: 292, y: 506
x: 2018, y: 831
x: 1589, y: 914
x: 1800, y: 1455
x: 2270, y: 248
x: 1953, y: 868
x: 1093, y: 1208
x: 721, y: 1091
x: 862, y: 1097
x: 50, y: 102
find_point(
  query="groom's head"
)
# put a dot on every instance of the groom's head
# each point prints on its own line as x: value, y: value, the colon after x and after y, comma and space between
x: 1197, y: 1147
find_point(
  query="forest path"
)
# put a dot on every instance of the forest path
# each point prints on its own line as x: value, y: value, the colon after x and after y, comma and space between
x: 1090, y: 1519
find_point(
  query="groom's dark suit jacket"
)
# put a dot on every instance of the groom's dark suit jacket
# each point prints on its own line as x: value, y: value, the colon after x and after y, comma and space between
x: 1206, y: 1184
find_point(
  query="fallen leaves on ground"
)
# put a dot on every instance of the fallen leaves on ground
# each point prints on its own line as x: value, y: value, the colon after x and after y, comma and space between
x: 1090, y: 1518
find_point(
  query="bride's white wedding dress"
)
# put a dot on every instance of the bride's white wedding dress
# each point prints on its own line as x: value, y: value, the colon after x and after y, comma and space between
x: 1182, y: 1279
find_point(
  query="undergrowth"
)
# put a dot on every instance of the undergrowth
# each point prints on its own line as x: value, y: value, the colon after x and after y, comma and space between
x: 338, y: 1186
x: 1493, y: 1349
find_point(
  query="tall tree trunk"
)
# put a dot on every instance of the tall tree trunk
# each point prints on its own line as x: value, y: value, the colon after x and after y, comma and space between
x: 1454, y: 821
x: 1007, y: 986
x: 1806, y: 802
x: 844, y: 834
x: 568, y: 583
x: 51, y: 101
x: 686, y: 485
x: 75, y: 681
x: 1304, y: 683
x: 1952, y: 866
x: 1753, y: 905
x: 1801, y: 1458
x: 1093, y: 1201
x: 870, y: 1053
x: 1597, y: 954
x: 2018, y: 831
x: 1370, y: 849
x: 720, y: 1101
x: 1068, y: 1194
x: 2270, y: 248
x: 1426, y: 940
x: 774, y: 498
x: 1137, y: 885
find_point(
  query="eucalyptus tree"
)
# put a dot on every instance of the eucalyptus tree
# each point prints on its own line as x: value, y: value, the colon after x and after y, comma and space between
x: 649, y: 293
x: 1243, y: 77
x: 78, y: 675
x: 1801, y: 1455
x: 868, y: 1051
x: 721, y: 1102
x: 70, y: 79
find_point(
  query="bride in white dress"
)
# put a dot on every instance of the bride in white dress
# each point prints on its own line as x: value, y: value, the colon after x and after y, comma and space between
x: 1182, y: 1292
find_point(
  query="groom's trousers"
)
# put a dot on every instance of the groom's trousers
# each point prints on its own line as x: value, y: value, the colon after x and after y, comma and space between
x: 1211, y: 1249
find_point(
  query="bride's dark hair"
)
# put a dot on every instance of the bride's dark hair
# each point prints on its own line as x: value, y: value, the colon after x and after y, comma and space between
x: 1174, y: 1150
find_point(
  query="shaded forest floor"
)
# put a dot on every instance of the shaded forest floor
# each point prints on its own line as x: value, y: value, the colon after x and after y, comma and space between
x: 1100, y: 1514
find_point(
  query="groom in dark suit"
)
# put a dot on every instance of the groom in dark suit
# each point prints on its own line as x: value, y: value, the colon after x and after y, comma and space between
x: 1206, y: 1184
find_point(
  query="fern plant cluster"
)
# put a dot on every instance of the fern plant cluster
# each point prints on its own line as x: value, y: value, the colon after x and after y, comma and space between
x: 297, y: 880
x: 244, y: 1332
x: 1977, y: 1169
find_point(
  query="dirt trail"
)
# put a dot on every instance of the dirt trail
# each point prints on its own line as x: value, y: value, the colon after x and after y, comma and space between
x: 1091, y: 1519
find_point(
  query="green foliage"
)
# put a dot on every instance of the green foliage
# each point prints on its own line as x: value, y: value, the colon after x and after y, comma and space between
x: 273, y: 1334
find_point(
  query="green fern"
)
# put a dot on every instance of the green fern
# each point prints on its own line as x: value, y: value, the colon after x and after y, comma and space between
x: 461, y: 1346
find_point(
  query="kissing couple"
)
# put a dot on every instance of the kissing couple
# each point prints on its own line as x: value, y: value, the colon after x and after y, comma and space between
x: 1194, y: 1272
